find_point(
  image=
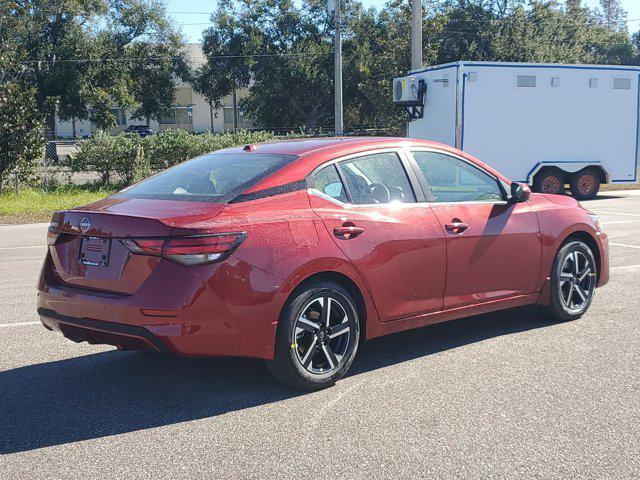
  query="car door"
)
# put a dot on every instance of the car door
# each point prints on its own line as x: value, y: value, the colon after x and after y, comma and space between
x: 493, y: 248
x: 368, y: 205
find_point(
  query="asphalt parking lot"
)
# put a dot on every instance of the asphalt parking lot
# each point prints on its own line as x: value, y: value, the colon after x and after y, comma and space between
x: 506, y: 395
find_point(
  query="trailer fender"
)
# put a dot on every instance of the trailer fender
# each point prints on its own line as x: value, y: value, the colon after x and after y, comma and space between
x: 567, y: 167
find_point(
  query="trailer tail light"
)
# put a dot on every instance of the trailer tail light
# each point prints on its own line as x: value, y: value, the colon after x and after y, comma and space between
x: 190, y: 250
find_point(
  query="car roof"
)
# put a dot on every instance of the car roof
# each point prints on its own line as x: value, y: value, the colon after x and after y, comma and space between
x: 313, y: 152
x: 307, y: 146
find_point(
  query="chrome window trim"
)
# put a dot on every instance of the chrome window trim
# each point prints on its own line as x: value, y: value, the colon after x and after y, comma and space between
x: 393, y: 205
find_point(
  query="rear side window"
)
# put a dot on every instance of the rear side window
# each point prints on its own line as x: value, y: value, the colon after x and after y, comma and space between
x: 378, y: 178
x: 328, y: 182
x: 450, y: 179
x: 216, y: 177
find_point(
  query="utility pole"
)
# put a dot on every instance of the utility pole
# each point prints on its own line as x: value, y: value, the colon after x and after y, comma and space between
x: 337, y: 68
x: 416, y: 34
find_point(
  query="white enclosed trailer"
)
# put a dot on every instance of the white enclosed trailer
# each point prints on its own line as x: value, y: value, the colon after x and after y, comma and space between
x: 544, y: 124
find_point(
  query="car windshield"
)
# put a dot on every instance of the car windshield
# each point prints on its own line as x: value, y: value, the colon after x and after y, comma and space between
x: 214, y: 177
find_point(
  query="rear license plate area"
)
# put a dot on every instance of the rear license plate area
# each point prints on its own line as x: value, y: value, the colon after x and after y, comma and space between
x: 95, y: 251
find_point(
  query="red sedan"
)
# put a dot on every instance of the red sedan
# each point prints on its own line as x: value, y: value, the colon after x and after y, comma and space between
x: 296, y: 252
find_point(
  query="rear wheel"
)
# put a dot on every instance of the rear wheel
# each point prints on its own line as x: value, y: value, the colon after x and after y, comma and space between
x: 585, y: 184
x: 573, y: 281
x: 317, y: 338
x: 549, y: 181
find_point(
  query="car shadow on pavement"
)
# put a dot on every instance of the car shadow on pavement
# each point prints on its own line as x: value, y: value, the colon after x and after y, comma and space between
x: 114, y: 392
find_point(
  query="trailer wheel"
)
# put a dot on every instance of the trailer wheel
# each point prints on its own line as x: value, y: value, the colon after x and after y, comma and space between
x: 549, y: 181
x: 585, y: 184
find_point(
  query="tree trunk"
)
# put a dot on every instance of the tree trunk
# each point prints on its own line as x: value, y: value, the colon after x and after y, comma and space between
x: 235, y: 111
x: 211, y: 115
x: 73, y: 127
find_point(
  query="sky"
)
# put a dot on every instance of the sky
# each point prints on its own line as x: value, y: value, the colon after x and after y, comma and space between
x: 193, y: 15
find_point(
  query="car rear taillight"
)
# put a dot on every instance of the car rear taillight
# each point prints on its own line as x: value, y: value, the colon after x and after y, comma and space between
x: 145, y: 246
x: 52, y: 236
x: 189, y: 250
x: 202, y: 249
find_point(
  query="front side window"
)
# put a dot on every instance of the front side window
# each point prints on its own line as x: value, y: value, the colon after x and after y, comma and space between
x: 209, y: 178
x: 328, y: 182
x: 450, y: 179
x: 377, y: 178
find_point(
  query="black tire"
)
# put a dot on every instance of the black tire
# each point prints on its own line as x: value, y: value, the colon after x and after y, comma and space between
x: 562, y: 288
x: 585, y: 184
x: 293, y: 342
x: 549, y: 181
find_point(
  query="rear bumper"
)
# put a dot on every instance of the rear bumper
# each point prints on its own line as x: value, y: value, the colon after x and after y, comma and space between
x: 225, y: 309
x: 122, y: 336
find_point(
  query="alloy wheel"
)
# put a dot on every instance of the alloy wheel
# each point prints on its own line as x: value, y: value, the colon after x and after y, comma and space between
x: 577, y: 281
x: 322, y: 334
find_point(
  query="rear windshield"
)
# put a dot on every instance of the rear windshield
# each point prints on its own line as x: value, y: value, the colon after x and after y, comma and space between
x: 216, y: 177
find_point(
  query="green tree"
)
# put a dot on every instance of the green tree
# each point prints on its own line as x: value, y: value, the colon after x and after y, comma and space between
x: 143, y: 33
x: 93, y: 55
x: 226, y: 68
x: 614, y: 17
x: 21, y: 123
x: 287, y: 52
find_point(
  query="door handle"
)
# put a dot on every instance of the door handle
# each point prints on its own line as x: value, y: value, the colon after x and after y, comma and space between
x: 456, y: 226
x: 347, y: 231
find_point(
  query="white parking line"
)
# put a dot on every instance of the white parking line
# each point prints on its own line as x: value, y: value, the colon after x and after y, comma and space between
x: 615, y: 222
x: 18, y: 248
x: 625, y: 267
x: 18, y: 324
x: 602, y: 212
x: 624, y: 245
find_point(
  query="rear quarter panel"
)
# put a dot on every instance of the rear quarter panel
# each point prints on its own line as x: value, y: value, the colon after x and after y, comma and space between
x: 286, y: 239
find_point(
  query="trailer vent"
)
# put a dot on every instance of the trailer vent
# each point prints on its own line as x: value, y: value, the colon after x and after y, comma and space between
x: 593, y: 82
x: 622, y: 84
x: 526, y: 81
x: 555, y: 81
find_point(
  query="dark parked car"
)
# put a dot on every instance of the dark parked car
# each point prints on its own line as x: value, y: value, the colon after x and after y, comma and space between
x: 142, y: 130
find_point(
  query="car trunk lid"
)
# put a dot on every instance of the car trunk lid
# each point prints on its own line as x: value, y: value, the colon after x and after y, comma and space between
x: 88, y: 252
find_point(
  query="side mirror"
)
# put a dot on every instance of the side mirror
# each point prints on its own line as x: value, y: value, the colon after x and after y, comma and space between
x: 520, y: 192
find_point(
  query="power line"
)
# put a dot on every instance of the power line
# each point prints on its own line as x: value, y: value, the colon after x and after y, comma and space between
x: 197, y: 57
x: 460, y: 20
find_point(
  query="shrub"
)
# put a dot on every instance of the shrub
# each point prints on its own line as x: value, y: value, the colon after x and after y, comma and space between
x: 134, y: 158
x: 170, y: 148
x: 108, y: 155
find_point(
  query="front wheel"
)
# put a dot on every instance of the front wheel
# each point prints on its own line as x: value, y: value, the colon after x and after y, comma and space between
x: 317, y: 338
x: 573, y: 281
